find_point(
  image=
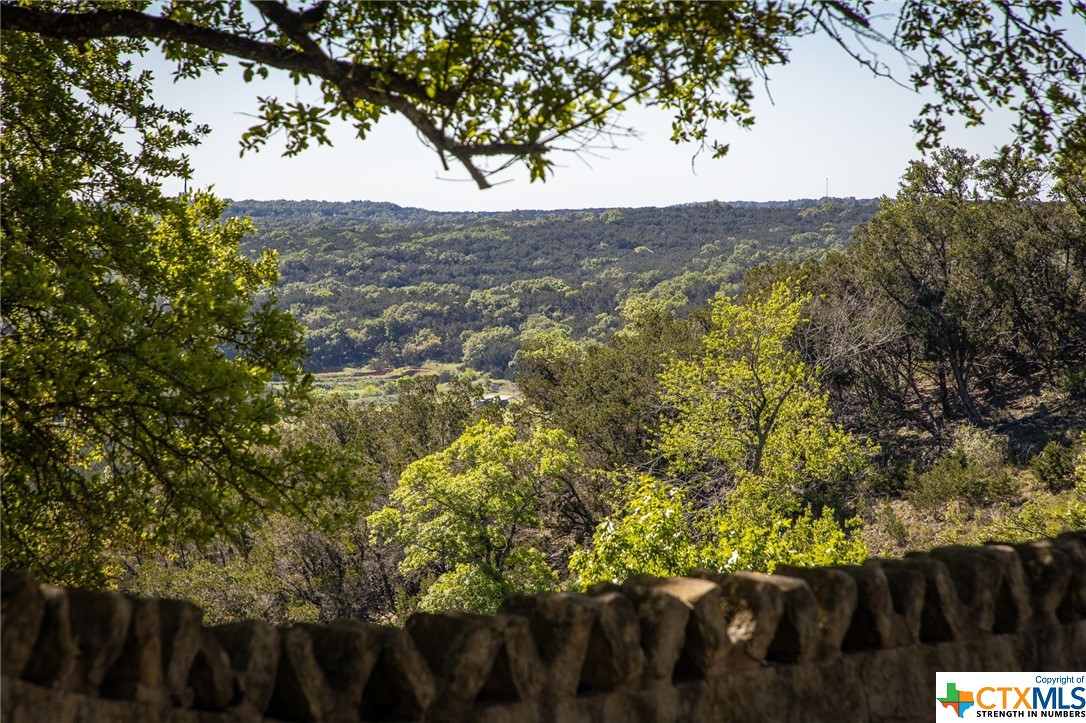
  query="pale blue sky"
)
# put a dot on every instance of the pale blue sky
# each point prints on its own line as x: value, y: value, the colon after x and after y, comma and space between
x: 830, y: 119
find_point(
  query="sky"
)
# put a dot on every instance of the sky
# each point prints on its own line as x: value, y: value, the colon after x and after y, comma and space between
x: 830, y: 128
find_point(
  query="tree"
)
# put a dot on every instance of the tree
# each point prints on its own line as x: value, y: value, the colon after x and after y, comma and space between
x: 137, y: 344
x: 471, y: 513
x: 608, y: 395
x: 491, y: 84
x: 749, y: 431
x: 651, y: 532
x: 490, y: 350
x: 984, y: 281
x: 750, y: 411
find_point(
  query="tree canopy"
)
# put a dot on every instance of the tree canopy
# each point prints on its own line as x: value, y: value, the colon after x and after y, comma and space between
x: 965, y: 291
x: 469, y: 511
x: 137, y: 344
x: 489, y: 85
x: 749, y: 408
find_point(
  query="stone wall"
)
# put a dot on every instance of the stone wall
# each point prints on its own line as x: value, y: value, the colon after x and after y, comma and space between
x: 837, y: 644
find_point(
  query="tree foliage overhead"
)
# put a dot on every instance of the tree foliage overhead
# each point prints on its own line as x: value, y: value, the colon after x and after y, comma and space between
x: 488, y: 85
x: 137, y: 344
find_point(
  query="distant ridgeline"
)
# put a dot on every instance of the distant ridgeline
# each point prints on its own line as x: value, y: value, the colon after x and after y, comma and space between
x: 851, y: 643
x: 375, y: 282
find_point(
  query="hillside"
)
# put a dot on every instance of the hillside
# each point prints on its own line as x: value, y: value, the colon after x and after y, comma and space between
x: 376, y: 282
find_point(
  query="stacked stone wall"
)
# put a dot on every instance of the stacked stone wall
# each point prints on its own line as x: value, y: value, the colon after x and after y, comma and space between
x: 852, y: 643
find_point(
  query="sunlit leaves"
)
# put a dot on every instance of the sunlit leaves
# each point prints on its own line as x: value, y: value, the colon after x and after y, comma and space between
x: 469, y: 513
x: 750, y: 406
x: 656, y: 530
x: 652, y: 532
x: 759, y: 460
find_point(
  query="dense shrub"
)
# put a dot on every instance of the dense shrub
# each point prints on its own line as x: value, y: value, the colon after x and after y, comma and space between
x: 1055, y: 466
x: 956, y: 478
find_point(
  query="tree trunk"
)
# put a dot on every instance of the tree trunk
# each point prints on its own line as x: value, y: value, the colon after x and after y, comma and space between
x: 962, y: 386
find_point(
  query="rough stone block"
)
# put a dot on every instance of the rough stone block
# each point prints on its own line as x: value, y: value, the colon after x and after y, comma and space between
x: 21, y: 609
x: 401, y: 685
x: 507, y: 713
x: 987, y: 652
x: 7, y: 700
x: 301, y: 691
x: 898, y: 682
x: 698, y: 700
x: 518, y: 673
x: 460, y: 649
x: 347, y: 652
x: 942, y: 616
x: 826, y: 690
x: 706, y: 645
x: 561, y: 625
x: 663, y: 618
x: 614, y: 660
x: 138, y: 674
x: 1013, y: 609
x: 623, y: 708
x: 873, y: 623
x: 1076, y: 642
x: 182, y: 636
x: 582, y: 709
x: 26, y: 703
x: 99, y: 710
x: 53, y: 661
x: 835, y: 595
x: 210, y: 678
x: 752, y: 606
x: 704, y: 638
x: 479, y: 659
x: 798, y: 634
x: 1047, y: 648
x: 610, y: 708
x: 99, y: 623
x: 976, y: 578
x: 1048, y: 574
x: 253, y: 649
x: 907, y: 592
x: 760, y: 694
x: 1073, y: 606
x: 662, y: 704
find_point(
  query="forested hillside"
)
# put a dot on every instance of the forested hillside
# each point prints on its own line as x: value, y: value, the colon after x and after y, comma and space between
x: 377, y: 283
